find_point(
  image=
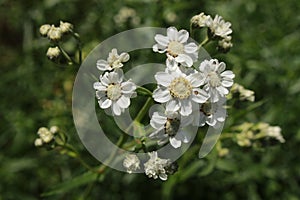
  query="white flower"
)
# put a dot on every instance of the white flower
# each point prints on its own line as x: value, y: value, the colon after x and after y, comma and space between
x: 131, y: 163
x: 213, y: 113
x: 38, y: 142
x: 168, y: 125
x: 65, y: 27
x: 113, y: 92
x: 54, y: 33
x: 156, y: 167
x: 275, y: 132
x: 114, y: 61
x: 177, y: 49
x: 244, y: 94
x: 216, y: 79
x: 225, y: 44
x: 177, y: 88
x: 54, y: 129
x: 201, y: 20
x: 45, y: 134
x: 219, y: 27
x: 44, y: 29
x: 53, y: 52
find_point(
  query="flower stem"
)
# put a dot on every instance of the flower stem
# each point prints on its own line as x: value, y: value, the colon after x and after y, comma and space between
x: 144, y: 110
x: 204, y: 42
x: 71, y: 60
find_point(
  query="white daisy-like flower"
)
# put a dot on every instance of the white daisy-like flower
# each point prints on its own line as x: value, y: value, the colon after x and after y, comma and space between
x: 114, y: 61
x: 177, y: 88
x: 176, y: 47
x: 219, y: 27
x: 217, y: 81
x: 168, y: 125
x: 275, y: 132
x: 131, y: 163
x: 201, y: 20
x: 213, y: 113
x: 156, y: 167
x: 225, y: 44
x: 112, y: 92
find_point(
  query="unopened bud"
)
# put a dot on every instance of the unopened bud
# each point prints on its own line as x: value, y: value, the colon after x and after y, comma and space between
x: 65, y: 27
x: 54, y: 33
x: 44, y: 29
x: 53, y: 52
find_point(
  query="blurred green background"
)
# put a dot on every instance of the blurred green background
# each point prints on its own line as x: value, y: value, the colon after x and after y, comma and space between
x: 36, y: 92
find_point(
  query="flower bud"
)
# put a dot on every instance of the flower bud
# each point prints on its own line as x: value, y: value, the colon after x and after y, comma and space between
x: 54, y: 33
x: 65, y: 27
x: 44, y: 29
x: 53, y: 52
x: 38, y: 142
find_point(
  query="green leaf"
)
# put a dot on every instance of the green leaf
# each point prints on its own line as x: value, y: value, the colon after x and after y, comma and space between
x: 72, y: 184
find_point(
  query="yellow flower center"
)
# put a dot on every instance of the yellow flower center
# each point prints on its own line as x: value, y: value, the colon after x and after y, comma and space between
x: 180, y: 88
x: 175, y: 48
x: 114, y: 91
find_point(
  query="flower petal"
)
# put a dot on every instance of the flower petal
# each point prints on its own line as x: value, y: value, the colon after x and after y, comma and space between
x: 159, y: 48
x: 228, y: 74
x: 184, y: 60
x: 162, y: 40
x: 171, y: 64
x: 116, y: 109
x: 190, y: 48
x: 221, y: 67
x: 161, y: 95
x: 123, y: 102
x: 172, y: 106
x: 222, y: 90
x: 199, y: 96
x: 124, y: 57
x: 158, y: 120
x: 196, y: 79
x: 227, y: 83
x: 185, y: 137
x: 103, y: 65
x: 163, y: 78
x: 174, y: 142
x: 105, y: 104
x: 185, y: 107
x: 99, y: 86
x: 128, y: 87
x: 172, y: 34
x: 183, y: 36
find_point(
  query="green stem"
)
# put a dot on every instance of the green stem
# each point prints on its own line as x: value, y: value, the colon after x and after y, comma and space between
x: 79, y: 45
x: 204, y: 42
x: 71, y: 60
x: 144, y: 110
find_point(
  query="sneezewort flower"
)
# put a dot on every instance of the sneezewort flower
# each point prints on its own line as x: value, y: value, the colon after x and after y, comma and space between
x: 177, y: 48
x: 218, y: 27
x: 112, y: 92
x: 114, y: 61
x: 45, y: 134
x: 44, y: 29
x: 213, y: 113
x: 54, y: 33
x: 177, y: 88
x: 200, y: 20
x: 131, y: 163
x: 168, y: 126
x: 217, y: 81
x: 65, y: 27
x: 156, y: 167
x: 53, y: 53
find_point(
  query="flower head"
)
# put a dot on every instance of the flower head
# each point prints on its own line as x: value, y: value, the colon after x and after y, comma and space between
x: 156, y: 167
x: 168, y: 125
x: 217, y: 81
x: 213, y: 113
x: 53, y: 53
x: 113, y: 92
x: 200, y: 20
x: 54, y: 33
x: 131, y: 163
x: 179, y: 89
x: 225, y: 44
x: 219, y: 27
x: 44, y: 29
x: 114, y: 61
x: 45, y: 134
x: 176, y: 47
x: 65, y: 27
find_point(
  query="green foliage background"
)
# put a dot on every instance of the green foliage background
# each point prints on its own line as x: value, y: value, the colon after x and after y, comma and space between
x: 35, y: 92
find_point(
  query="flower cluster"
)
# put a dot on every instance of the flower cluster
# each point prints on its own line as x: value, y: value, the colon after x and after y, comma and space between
x: 45, y: 135
x: 112, y: 92
x: 189, y: 94
x: 55, y: 35
x: 217, y: 29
